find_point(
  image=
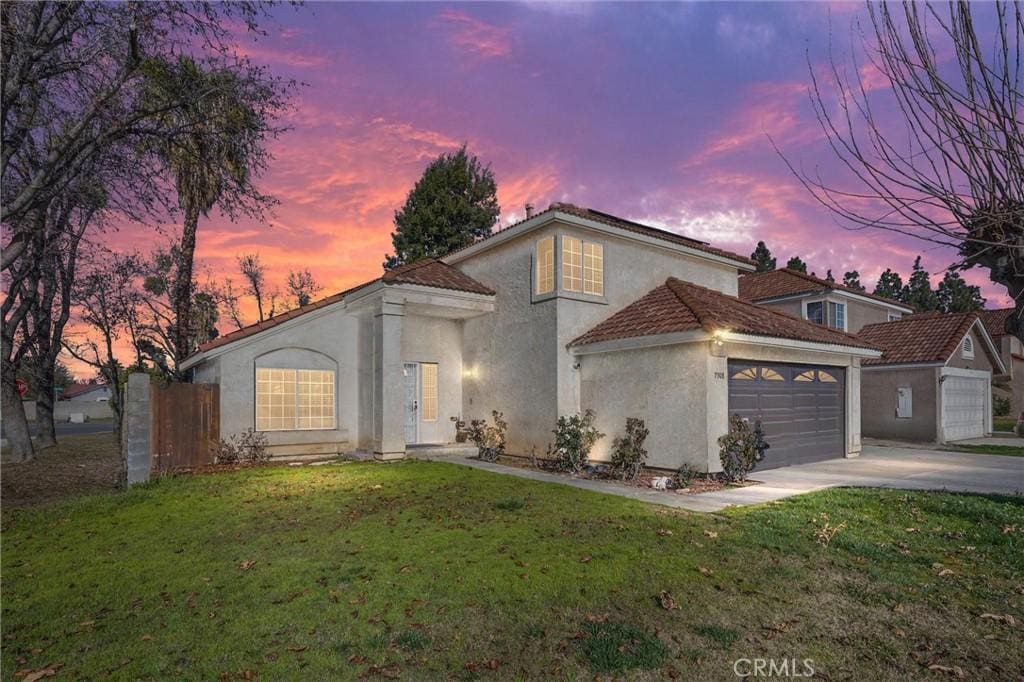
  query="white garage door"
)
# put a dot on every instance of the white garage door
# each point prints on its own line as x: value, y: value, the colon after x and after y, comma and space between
x: 964, y: 401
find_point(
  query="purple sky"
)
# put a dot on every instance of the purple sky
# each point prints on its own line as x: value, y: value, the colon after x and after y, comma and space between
x: 659, y: 113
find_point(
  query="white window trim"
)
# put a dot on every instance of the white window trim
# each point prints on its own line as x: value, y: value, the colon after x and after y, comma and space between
x: 334, y: 399
x: 825, y: 301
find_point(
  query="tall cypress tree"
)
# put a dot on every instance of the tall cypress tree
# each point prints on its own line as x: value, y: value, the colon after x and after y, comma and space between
x: 918, y: 293
x: 957, y: 296
x: 889, y: 285
x: 796, y: 263
x: 763, y: 257
x: 452, y: 205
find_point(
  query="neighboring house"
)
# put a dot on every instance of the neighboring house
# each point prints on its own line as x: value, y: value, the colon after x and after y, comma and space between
x: 1011, y: 352
x: 91, y: 392
x: 934, y: 381
x: 827, y: 303
x: 567, y: 310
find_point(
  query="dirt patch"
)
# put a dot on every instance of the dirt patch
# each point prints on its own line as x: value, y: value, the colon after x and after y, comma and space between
x: 76, y: 465
x: 699, y: 483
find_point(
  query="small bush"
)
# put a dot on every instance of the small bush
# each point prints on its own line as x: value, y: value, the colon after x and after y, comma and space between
x: 741, y: 449
x: 1000, y: 406
x: 249, y: 446
x: 575, y: 436
x: 628, y: 453
x: 489, y: 438
x: 614, y: 647
x: 685, y: 476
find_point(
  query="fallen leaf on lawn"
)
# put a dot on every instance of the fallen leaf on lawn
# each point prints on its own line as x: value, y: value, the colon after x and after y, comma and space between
x: 595, y: 618
x: 711, y: 534
x: 376, y: 487
x: 525, y: 576
x: 704, y: 570
x: 666, y: 600
x: 145, y: 638
x: 664, y: 531
x: 392, y: 672
x: 585, y: 559
x: 1009, y: 529
x: 955, y: 670
x: 87, y: 623
x: 1008, y: 619
x: 301, y: 647
x: 910, y: 530
x: 357, y: 659
x: 246, y: 565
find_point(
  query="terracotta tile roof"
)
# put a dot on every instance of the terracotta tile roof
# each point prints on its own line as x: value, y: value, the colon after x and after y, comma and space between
x: 761, y: 286
x: 78, y: 389
x: 426, y: 272
x: 927, y: 337
x: 623, y: 224
x: 679, y: 306
x: 995, y: 321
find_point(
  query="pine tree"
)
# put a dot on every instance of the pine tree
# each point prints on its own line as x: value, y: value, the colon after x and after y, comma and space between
x: 957, y: 296
x: 795, y: 263
x: 890, y: 285
x: 829, y: 278
x: 452, y: 205
x: 918, y: 293
x: 763, y: 257
x: 851, y: 280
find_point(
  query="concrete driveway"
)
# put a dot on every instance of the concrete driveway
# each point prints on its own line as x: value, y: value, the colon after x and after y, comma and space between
x: 877, y: 467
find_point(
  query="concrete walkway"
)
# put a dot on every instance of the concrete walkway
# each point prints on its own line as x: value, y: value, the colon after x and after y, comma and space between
x: 878, y: 467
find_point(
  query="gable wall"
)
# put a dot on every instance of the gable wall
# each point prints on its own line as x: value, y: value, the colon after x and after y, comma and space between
x: 981, y: 358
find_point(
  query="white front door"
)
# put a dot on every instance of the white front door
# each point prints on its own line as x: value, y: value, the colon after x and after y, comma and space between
x: 964, y: 402
x: 410, y: 370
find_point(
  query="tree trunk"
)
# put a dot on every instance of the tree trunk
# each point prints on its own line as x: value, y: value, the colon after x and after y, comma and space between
x: 15, y: 425
x: 47, y: 437
x: 183, y: 288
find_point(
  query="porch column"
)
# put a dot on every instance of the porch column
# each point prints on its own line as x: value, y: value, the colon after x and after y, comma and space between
x: 389, y: 387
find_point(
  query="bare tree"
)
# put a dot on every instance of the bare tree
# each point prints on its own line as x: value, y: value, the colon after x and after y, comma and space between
x: 302, y: 287
x: 951, y: 171
x: 254, y: 273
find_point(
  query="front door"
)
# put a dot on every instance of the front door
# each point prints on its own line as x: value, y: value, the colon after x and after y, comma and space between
x: 412, y: 407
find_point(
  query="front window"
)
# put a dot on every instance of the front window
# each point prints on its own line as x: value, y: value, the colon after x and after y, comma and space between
x: 546, y: 265
x: 572, y: 264
x: 827, y: 313
x: 428, y: 387
x: 294, y: 399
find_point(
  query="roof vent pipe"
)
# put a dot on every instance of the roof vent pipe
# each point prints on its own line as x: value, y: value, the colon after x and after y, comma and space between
x: 529, y: 210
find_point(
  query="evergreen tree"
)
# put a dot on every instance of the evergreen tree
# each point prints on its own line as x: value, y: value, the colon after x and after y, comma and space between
x: 829, y: 278
x: 452, y: 205
x: 957, y: 296
x: 851, y: 280
x: 763, y: 257
x: 890, y: 285
x: 918, y: 293
x: 795, y: 263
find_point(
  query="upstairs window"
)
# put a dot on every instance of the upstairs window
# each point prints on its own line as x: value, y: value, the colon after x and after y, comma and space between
x: 572, y: 264
x: 827, y: 313
x: 593, y: 269
x: 545, y: 265
x: 816, y: 312
x: 967, y: 351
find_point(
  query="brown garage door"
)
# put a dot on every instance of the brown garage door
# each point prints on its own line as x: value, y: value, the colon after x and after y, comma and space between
x: 800, y: 407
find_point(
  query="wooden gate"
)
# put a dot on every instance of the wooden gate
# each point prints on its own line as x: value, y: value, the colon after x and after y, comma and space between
x: 184, y: 426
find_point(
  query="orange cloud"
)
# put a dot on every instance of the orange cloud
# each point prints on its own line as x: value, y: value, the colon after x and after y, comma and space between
x: 477, y: 37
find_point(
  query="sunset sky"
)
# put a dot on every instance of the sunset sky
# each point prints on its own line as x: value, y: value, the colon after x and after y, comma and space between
x: 658, y: 113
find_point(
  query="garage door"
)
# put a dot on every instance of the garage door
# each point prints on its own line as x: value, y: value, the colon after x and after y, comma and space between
x: 963, y: 407
x: 800, y: 407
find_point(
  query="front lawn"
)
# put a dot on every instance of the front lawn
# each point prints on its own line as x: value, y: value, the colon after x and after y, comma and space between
x: 987, y: 449
x: 429, y: 570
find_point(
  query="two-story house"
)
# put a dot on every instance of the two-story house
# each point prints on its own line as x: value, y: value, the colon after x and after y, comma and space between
x: 568, y: 310
x: 1011, y: 351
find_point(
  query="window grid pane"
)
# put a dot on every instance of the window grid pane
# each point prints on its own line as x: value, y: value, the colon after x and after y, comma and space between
x: 593, y: 269
x: 428, y: 381
x: 572, y: 264
x: 545, y: 265
x: 814, y: 312
x: 288, y: 399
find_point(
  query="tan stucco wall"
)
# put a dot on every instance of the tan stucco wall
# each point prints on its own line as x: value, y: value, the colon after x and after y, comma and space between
x: 981, y: 359
x: 682, y: 393
x: 518, y: 353
x: 878, y: 404
x: 858, y: 313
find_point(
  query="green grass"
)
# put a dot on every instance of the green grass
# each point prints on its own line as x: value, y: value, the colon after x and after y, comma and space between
x: 432, y: 570
x: 987, y: 449
x: 1004, y: 423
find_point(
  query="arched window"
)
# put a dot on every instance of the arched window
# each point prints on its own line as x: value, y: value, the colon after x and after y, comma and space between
x: 805, y: 376
x: 748, y: 374
x: 769, y: 374
x: 826, y: 377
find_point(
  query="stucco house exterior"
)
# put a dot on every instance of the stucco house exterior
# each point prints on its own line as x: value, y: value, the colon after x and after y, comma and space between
x: 567, y: 310
x: 827, y: 303
x: 934, y: 381
x: 90, y: 392
x: 1011, y: 352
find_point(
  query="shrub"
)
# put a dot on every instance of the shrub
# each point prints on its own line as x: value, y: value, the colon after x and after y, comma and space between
x: 248, y: 446
x: 1000, y: 406
x: 574, y: 437
x: 489, y: 438
x: 628, y: 453
x: 685, y: 475
x: 741, y: 449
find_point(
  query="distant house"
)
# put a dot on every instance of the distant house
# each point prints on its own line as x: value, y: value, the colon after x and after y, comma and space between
x: 568, y: 310
x: 817, y: 300
x: 934, y: 381
x: 90, y: 392
x: 1011, y: 352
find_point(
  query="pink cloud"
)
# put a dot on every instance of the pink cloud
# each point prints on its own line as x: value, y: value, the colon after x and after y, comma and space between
x: 472, y: 35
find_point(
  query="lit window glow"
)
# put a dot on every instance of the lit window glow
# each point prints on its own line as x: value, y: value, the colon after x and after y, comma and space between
x: 294, y: 399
